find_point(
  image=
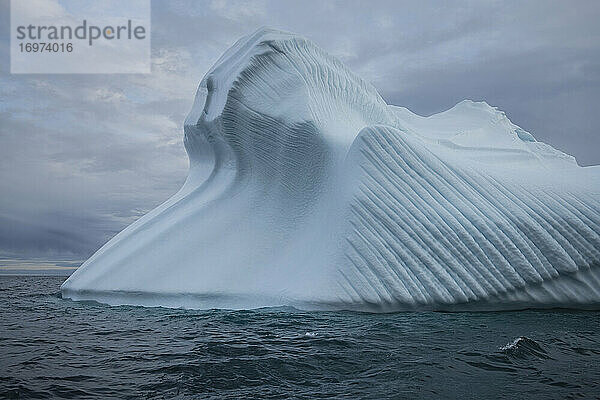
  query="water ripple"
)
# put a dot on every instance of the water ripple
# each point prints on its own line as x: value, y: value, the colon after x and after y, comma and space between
x: 54, y: 348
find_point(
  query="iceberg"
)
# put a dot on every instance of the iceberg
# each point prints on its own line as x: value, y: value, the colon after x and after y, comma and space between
x: 305, y: 189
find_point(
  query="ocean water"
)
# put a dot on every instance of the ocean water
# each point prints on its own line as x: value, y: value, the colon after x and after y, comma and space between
x: 55, y: 348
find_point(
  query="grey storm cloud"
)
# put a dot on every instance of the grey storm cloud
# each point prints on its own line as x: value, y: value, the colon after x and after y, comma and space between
x: 82, y: 156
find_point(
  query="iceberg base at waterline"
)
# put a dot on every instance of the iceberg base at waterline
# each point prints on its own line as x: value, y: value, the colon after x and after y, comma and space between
x: 306, y: 189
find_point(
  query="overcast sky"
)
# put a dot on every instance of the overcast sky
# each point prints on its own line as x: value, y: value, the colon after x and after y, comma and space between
x: 82, y: 156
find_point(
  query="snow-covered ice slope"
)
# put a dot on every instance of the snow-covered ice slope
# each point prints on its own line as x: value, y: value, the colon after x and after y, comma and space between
x: 306, y: 189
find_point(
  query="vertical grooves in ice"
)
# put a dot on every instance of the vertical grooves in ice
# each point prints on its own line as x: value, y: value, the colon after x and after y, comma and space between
x: 459, y: 236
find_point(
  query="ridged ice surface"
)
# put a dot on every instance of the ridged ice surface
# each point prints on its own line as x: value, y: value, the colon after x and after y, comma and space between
x: 306, y: 189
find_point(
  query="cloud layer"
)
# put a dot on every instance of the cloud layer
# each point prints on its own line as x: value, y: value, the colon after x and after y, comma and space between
x: 81, y: 156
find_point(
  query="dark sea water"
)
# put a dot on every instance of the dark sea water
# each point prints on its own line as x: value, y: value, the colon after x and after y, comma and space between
x: 55, y: 348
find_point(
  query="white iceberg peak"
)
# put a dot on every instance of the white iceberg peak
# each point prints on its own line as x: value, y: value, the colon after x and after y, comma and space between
x: 306, y: 189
